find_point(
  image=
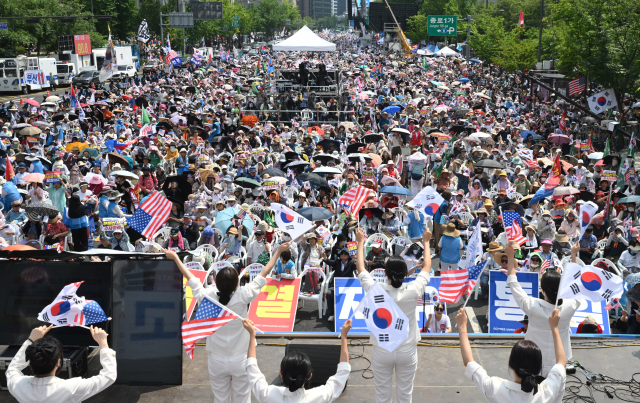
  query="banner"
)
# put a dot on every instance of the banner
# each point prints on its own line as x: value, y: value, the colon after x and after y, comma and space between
x: 111, y: 224
x: 324, y: 235
x: 270, y: 185
x: 82, y: 44
x: 190, y: 300
x: 610, y: 176
x: 34, y: 77
x: 596, y: 310
x: 352, y: 247
x: 274, y: 309
x: 504, y: 313
x: 143, y: 32
x: 349, y: 293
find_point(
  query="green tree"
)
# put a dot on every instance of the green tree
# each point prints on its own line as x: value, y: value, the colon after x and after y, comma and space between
x: 487, y: 32
x: 269, y: 16
x: 600, y: 39
x: 515, y: 52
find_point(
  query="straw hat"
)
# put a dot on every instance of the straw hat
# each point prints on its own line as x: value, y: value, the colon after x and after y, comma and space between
x: 450, y: 230
x: 494, y: 247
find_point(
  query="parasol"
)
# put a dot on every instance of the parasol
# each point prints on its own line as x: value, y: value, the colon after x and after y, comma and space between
x: 34, y: 177
x: 377, y: 160
x: 114, y: 158
x: 126, y: 174
x: 183, y: 185
x: 81, y: 146
x: 30, y: 131
x: 247, y: 183
x: 224, y: 218
x: 315, y: 213
x: 327, y: 170
x: 326, y: 143
x: 325, y: 158
x: 398, y: 190
x: 314, y: 178
x: 271, y: 171
x: 42, y: 209
x: 489, y: 163
x: 355, y: 148
x: 250, y: 120
x: 372, y: 138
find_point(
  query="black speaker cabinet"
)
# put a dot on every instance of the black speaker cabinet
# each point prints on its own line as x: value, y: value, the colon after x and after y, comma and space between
x: 324, y: 360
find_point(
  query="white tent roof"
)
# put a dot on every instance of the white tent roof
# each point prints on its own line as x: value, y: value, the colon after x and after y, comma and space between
x: 305, y: 41
x: 447, y: 51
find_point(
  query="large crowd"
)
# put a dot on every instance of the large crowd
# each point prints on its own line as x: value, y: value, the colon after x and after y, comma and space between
x: 221, y: 139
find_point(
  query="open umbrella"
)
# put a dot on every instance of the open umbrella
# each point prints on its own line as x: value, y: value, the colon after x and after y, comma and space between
x: 225, y: 217
x: 565, y: 190
x: 53, y: 98
x: 114, y: 158
x: 355, y: 157
x: 376, y: 212
x: 19, y: 247
x: 398, y: 190
x: 164, y: 125
x: 326, y: 143
x: 526, y: 133
x: 372, y: 138
x: 314, y: 178
x: 81, y: 146
x: 400, y: 130
x: 588, y: 119
x: 271, y: 171
x: 559, y: 139
x: 30, y: 131
x: 630, y: 199
x: 126, y: 174
x: 392, y: 110
x: 42, y: 209
x: 489, y: 163
x: 61, y: 116
x: 595, y: 156
x: 32, y: 101
x: 325, y: 158
x: 327, y: 170
x: 315, y: 213
x: 250, y: 120
x: 316, y: 129
x: 247, y: 183
x: 34, y: 177
x: 296, y: 163
x: 354, y: 148
x: 376, y: 159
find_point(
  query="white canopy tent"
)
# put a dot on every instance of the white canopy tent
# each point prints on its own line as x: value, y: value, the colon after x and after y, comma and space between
x: 305, y: 41
x: 447, y: 52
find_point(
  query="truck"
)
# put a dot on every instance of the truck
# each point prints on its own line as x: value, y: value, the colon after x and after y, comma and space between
x: 70, y: 64
x: 124, y: 57
x: 12, y: 72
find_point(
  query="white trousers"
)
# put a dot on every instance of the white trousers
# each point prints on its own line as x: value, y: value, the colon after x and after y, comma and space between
x: 448, y: 266
x: 405, y: 362
x: 226, y: 373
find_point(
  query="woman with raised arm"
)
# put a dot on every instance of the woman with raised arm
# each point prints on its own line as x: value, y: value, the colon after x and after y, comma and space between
x: 539, y: 309
x: 228, y: 346
x: 43, y: 355
x: 404, y: 359
x: 525, y: 364
x: 296, y: 372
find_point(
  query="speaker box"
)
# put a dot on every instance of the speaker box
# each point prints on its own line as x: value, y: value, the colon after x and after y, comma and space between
x: 324, y: 360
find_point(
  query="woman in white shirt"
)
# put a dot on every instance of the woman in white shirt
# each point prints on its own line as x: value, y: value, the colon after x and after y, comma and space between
x: 404, y: 359
x: 228, y: 346
x: 441, y: 323
x: 295, y: 372
x: 525, y: 363
x: 539, y: 309
x: 43, y: 355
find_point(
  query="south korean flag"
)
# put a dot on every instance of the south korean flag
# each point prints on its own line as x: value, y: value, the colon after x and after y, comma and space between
x: 589, y: 282
x: 385, y: 320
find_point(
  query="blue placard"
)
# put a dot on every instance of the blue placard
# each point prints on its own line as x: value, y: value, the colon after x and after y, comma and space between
x: 504, y: 313
x: 3, y: 25
x: 595, y: 309
x: 349, y: 293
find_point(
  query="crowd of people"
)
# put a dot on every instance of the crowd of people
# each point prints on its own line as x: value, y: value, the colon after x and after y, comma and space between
x: 221, y: 143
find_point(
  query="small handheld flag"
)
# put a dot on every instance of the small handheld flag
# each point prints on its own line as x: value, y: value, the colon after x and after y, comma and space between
x: 590, y: 283
x: 70, y: 310
x: 210, y: 317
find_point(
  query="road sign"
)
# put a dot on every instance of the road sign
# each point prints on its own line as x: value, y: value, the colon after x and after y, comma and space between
x: 207, y: 11
x: 181, y: 20
x: 3, y: 25
x: 234, y: 24
x: 442, y: 25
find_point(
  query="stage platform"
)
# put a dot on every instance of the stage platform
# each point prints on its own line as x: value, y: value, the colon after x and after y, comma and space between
x: 440, y: 376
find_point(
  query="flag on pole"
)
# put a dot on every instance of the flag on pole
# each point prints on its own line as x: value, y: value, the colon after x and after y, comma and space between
x: 613, y: 303
x: 151, y: 214
x: 474, y: 275
x: 556, y: 170
x: 10, y: 174
x: 602, y: 101
x: 521, y: 19
x: 545, y: 265
x: 210, y: 317
x: 110, y: 63
x: 145, y: 117
x: 513, y: 227
x: 453, y: 284
x: 143, y: 32
x: 546, y: 190
x: 289, y: 221
x: 589, y: 282
x: 607, y: 149
x: 428, y: 201
x: 73, y: 98
x: 384, y: 318
x: 70, y: 310
x: 587, y: 211
x: 354, y: 199
x: 563, y: 123
x: 577, y: 86
x: 632, y: 147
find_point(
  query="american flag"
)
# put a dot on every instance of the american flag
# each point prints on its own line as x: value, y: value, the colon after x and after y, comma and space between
x: 613, y: 303
x: 151, y: 214
x: 453, y: 284
x: 474, y: 274
x: 146, y: 130
x: 578, y: 85
x: 210, y: 317
x: 354, y: 199
x: 545, y: 265
x: 512, y: 226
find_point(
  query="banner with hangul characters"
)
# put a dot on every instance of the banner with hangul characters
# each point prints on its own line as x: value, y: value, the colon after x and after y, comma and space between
x: 270, y: 184
x: 274, y: 309
x: 609, y: 176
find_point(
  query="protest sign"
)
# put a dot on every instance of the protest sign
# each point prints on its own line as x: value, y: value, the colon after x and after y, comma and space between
x: 274, y: 309
x: 610, y: 176
x: 270, y: 185
x: 352, y: 247
x: 189, y: 299
x: 504, y: 313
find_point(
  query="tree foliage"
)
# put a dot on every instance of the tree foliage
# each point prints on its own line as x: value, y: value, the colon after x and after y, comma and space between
x: 269, y: 16
x: 601, y: 41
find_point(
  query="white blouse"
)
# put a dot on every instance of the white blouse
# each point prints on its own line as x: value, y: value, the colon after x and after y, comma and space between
x: 495, y: 389
x: 326, y: 393
x: 231, y: 339
x: 51, y: 389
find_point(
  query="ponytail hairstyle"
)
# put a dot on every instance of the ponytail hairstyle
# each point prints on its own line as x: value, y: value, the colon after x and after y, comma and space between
x: 396, y: 270
x: 226, y: 283
x: 526, y: 361
x: 43, y: 355
x: 295, y: 370
x: 550, y: 283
